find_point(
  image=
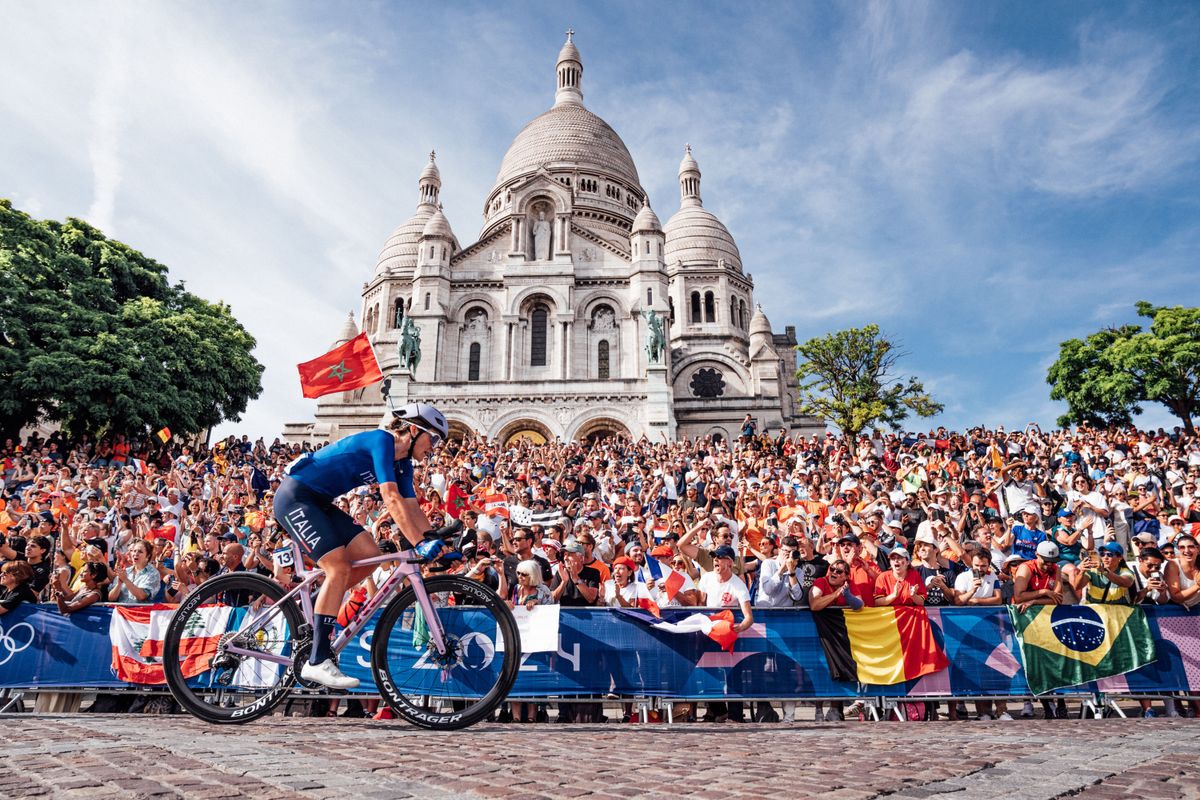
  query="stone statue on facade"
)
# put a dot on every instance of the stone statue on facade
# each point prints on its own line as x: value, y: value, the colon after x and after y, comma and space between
x: 541, y: 238
x: 398, y: 322
x: 656, y: 338
x: 410, y: 346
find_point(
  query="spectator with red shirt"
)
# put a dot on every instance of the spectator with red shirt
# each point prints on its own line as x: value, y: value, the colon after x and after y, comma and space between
x: 900, y: 585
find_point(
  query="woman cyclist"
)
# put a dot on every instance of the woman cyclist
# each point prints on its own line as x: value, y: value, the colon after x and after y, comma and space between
x: 304, y: 506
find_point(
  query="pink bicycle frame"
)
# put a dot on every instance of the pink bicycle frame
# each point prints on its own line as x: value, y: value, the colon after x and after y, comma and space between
x: 408, y: 568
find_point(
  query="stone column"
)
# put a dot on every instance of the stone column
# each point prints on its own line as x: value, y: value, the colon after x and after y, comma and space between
x: 508, y: 351
x: 569, y: 343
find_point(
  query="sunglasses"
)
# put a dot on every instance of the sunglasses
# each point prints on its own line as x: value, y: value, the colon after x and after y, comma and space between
x: 837, y: 572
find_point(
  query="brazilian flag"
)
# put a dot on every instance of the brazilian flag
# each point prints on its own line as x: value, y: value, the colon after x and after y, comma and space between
x: 1069, y: 645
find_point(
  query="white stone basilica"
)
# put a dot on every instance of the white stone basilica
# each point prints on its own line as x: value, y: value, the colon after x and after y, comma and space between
x: 545, y: 326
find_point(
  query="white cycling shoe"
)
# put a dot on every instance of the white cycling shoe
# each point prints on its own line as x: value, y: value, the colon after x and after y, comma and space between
x: 327, y: 674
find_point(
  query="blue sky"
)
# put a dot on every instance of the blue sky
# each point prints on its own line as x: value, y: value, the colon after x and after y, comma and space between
x: 983, y: 180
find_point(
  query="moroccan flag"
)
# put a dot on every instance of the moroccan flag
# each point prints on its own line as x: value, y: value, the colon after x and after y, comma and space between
x: 1069, y: 645
x: 882, y: 646
x: 164, y: 435
x: 343, y: 368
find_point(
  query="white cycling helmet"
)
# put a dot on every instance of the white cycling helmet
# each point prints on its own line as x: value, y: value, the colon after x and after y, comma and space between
x: 425, y: 417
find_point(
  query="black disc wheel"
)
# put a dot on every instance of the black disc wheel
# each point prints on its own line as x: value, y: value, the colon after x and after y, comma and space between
x: 446, y: 691
x: 242, y: 611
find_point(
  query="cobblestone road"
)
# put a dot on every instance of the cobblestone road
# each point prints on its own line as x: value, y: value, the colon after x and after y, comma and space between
x: 85, y: 756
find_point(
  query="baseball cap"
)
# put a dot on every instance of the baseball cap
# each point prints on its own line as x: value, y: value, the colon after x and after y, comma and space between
x: 850, y: 538
x: 573, y: 547
x: 1031, y: 508
x: 899, y: 551
x: 1144, y: 536
x: 1114, y: 548
x: 724, y: 551
x: 1048, y: 550
x: 1066, y: 512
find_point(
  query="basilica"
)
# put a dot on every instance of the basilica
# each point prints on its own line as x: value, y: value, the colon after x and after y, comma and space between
x: 575, y: 313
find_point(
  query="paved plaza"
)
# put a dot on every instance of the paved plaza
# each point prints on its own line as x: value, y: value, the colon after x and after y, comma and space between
x: 85, y: 756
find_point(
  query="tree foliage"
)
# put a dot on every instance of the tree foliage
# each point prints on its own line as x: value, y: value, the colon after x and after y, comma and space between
x: 1107, y: 376
x: 94, y: 337
x: 847, y: 378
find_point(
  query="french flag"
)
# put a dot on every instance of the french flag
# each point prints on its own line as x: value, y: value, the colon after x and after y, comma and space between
x: 643, y: 597
x: 655, y: 570
x: 718, y: 627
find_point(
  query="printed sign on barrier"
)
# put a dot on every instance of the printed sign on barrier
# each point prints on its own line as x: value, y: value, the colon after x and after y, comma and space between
x: 599, y: 650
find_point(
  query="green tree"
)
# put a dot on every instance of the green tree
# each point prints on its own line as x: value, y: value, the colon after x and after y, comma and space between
x: 1106, y: 377
x: 93, y: 336
x: 847, y: 378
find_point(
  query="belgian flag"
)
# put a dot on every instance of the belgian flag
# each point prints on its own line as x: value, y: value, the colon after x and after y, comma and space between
x: 1069, y: 645
x: 883, y: 646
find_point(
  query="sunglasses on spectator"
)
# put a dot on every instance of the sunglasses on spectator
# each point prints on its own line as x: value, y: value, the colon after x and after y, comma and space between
x: 837, y: 572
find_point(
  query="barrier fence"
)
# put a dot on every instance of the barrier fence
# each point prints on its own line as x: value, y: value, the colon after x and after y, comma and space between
x: 603, y: 651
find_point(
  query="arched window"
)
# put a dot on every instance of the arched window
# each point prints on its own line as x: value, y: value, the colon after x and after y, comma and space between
x: 427, y: 301
x: 710, y: 307
x: 733, y: 317
x: 649, y: 295
x: 537, y: 337
x: 602, y: 360
x: 473, y: 362
x: 671, y: 307
x: 398, y: 313
x: 695, y: 307
x: 742, y: 313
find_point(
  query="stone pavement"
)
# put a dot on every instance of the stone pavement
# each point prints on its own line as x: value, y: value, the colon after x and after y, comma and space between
x: 86, y: 756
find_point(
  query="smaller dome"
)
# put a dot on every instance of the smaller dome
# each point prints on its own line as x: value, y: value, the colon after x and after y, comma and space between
x: 759, y: 324
x: 438, y: 227
x: 349, y: 331
x: 569, y: 52
x: 695, y: 236
x: 688, y: 164
x: 400, y: 250
x: 431, y: 171
x: 646, y: 220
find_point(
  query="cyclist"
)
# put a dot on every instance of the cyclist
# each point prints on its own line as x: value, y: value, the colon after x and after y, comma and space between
x: 330, y: 537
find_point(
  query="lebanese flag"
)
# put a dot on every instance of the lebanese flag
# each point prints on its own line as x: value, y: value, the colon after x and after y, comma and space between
x: 656, y: 570
x: 136, y: 633
x: 343, y: 368
x: 495, y: 505
x: 718, y: 627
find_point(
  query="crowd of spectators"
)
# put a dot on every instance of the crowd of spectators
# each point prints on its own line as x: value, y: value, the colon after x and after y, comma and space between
x: 985, y: 517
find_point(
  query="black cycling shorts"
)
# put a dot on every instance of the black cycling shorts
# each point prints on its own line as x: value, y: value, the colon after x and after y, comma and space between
x: 312, y: 520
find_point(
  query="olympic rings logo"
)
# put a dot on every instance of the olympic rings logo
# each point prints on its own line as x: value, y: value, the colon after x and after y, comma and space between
x: 12, y: 642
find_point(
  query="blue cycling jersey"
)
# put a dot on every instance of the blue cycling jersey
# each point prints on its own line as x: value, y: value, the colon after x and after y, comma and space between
x: 367, y: 457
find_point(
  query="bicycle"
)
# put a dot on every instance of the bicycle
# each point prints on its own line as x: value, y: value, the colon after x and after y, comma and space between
x: 444, y: 653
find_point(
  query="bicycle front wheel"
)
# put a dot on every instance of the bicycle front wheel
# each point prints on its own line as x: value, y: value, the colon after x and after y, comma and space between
x: 446, y: 692
x: 240, y: 611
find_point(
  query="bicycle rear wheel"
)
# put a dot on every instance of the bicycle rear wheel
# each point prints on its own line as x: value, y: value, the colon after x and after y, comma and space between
x: 464, y: 686
x: 223, y: 687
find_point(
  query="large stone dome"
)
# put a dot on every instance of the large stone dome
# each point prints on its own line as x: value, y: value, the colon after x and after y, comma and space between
x: 694, y: 236
x: 568, y: 134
